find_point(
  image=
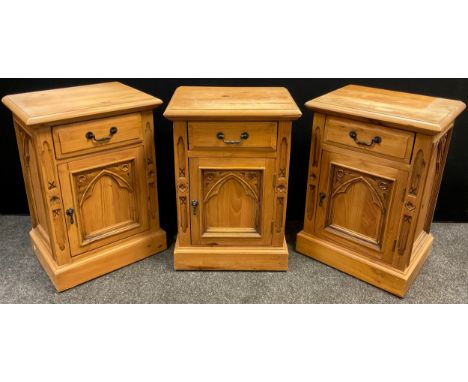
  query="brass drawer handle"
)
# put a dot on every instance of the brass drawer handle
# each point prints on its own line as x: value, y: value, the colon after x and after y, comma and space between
x: 90, y: 135
x: 243, y: 137
x: 376, y: 139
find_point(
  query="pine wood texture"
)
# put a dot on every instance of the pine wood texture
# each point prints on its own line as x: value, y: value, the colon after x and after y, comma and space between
x: 202, y: 135
x: 370, y: 201
x: 250, y: 258
x: 396, y: 144
x: 419, y: 113
x: 231, y: 188
x: 380, y: 275
x: 93, y: 202
x: 219, y: 103
x: 68, y: 139
x: 58, y: 106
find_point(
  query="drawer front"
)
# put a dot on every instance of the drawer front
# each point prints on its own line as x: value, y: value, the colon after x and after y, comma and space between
x: 82, y: 137
x: 232, y: 135
x: 370, y: 138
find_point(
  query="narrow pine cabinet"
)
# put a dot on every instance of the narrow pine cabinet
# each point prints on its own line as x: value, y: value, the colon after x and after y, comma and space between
x: 376, y: 164
x: 231, y: 149
x: 88, y: 161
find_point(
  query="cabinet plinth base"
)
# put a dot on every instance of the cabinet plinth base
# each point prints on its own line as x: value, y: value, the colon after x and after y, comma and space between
x: 99, y: 262
x: 384, y: 277
x: 231, y: 258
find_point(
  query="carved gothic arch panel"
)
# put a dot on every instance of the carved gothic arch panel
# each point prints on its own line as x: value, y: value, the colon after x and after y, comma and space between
x: 344, y: 187
x: 216, y: 187
x: 88, y: 189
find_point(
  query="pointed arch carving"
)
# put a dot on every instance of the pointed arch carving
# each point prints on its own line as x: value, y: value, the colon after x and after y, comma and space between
x: 214, y: 183
x: 121, y: 173
x: 375, y: 193
x: 344, y: 187
x: 118, y: 179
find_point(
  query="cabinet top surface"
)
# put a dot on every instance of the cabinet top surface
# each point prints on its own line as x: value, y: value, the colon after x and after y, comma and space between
x: 77, y: 103
x: 415, y: 112
x: 201, y: 102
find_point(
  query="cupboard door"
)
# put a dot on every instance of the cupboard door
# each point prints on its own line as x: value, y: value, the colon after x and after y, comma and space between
x: 105, y: 198
x: 357, y: 204
x: 231, y: 201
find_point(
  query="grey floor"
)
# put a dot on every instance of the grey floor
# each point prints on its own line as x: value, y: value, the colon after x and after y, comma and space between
x: 443, y: 279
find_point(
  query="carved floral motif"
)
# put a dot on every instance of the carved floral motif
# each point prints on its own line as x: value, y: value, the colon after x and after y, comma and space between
x: 410, y: 206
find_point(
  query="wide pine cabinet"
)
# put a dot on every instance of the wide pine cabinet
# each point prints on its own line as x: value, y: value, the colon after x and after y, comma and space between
x: 376, y: 164
x: 231, y: 150
x: 88, y: 161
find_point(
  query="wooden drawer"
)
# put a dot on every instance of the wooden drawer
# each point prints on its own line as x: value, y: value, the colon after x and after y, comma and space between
x: 94, y: 135
x: 232, y: 135
x: 364, y: 136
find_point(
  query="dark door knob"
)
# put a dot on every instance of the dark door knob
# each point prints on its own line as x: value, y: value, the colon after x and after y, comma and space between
x: 194, y: 204
x: 70, y: 213
x: 321, y: 197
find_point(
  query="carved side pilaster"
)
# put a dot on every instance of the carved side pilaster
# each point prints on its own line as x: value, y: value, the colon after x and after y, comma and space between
x: 412, y: 200
x: 23, y: 140
x: 440, y: 151
x: 418, y: 168
x: 150, y: 165
x: 52, y: 195
x: 318, y: 126
x: 316, y: 141
x: 404, y: 234
x: 311, y: 190
x: 281, y: 184
x: 182, y: 182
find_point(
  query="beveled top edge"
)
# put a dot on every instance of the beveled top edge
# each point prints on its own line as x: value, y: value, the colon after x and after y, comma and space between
x: 76, y: 103
x: 414, y: 112
x: 241, y: 103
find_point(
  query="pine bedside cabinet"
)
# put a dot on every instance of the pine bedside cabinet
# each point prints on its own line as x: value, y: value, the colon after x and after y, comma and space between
x: 376, y: 165
x: 231, y: 149
x: 88, y: 161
